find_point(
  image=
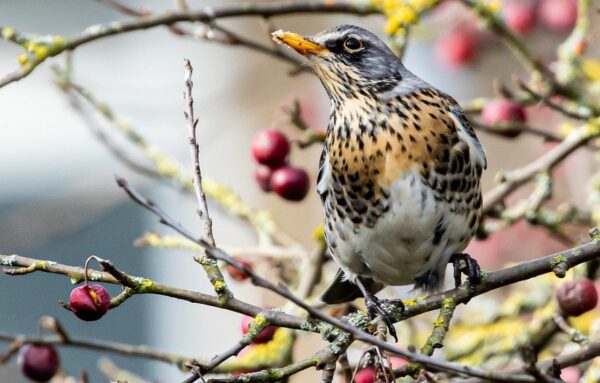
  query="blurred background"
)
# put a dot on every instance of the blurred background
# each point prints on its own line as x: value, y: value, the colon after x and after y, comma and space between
x: 59, y: 201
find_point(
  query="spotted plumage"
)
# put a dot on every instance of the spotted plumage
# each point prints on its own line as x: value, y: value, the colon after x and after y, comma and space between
x: 400, y: 170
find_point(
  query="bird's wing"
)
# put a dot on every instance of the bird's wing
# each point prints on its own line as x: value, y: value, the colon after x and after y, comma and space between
x: 467, y: 134
x: 323, y: 178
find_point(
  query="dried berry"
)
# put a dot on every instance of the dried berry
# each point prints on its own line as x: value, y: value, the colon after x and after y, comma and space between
x: 89, y: 302
x: 577, y: 297
x: 38, y: 362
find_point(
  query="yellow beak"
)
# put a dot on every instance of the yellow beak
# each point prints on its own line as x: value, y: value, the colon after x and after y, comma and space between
x: 298, y: 43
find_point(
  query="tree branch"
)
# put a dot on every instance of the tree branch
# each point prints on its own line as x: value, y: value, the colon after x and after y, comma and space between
x: 147, y: 286
x: 206, y: 15
x: 459, y: 295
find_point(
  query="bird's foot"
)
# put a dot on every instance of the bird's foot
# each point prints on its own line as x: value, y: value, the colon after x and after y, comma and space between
x: 374, y: 308
x: 464, y: 263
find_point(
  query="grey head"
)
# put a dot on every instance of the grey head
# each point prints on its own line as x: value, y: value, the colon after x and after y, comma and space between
x: 351, y: 61
x: 355, y: 49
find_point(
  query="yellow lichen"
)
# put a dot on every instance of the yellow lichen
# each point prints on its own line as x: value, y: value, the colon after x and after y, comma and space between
x: 260, y: 320
x: 8, y: 32
x: 219, y: 284
x: 40, y: 51
x: 23, y: 59
x: 402, y: 13
x: 410, y: 302
x: 58, y: 41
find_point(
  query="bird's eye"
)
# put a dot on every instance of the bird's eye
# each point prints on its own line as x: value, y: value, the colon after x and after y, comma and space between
x: 352, y: 44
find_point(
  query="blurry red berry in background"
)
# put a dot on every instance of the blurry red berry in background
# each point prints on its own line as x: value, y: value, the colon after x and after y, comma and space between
x: 237, y: 274
x: 503, y: 111
x: 264, y: 336
x: 397, y: 362
x: 270, y: 147
x: 577, y: 297
x: 263, y: 173
x: 89, y: 302
x: 366, y: 375
x: 290, y: 183
x: 38, y: 362
x: 570, y: 374
x: 558, y: 15
x: 519, y: 16
x: 457, y: 48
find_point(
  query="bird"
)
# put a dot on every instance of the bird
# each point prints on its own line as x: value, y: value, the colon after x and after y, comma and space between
x: 399, y: 173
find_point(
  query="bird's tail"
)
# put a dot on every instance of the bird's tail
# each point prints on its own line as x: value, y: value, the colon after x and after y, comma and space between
x: 429, y: 281
x: 341, y: 290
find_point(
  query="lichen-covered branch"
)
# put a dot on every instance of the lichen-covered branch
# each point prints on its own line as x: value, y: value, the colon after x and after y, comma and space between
x: 39, y: 49
x: 15, y: 265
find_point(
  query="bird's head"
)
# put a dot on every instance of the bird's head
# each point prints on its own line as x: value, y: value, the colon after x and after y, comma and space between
x: 348, y: 59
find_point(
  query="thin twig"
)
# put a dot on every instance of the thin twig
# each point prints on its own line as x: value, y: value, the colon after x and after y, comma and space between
x: 512, y: 180
x: 210, y: 266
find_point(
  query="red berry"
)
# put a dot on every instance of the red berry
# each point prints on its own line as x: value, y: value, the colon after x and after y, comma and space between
x: 366, y: 375
x: 270, y: 147
x: 519, y: 17
x: 264, y: 336
x: 570, y: 374
x: 290, y: 183
x: 457, y: 48
x: 38, y: 362
x: 263, y: 173
x: 397, y: 362
x: 503, y: 111
x: 558, y: 15
x: 237, y: 274
x: 577, y: 297
x: 89, y: 302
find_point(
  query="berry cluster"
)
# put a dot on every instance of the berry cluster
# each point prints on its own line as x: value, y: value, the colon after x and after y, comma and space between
x: 270, y: 149
x: 460, y: 46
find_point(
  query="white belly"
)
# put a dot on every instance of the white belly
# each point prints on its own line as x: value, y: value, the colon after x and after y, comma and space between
x: 400, y: 246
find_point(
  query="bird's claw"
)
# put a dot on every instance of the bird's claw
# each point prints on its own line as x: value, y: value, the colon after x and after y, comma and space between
x: 471, y: 269
x: 374, y: 308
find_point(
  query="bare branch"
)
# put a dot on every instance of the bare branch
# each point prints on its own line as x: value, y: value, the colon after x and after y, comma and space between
x: 206, y: 15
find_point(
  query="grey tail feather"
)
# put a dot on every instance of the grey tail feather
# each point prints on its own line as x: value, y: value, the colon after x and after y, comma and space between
x: 342, y: 290
x: 429, y: 281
